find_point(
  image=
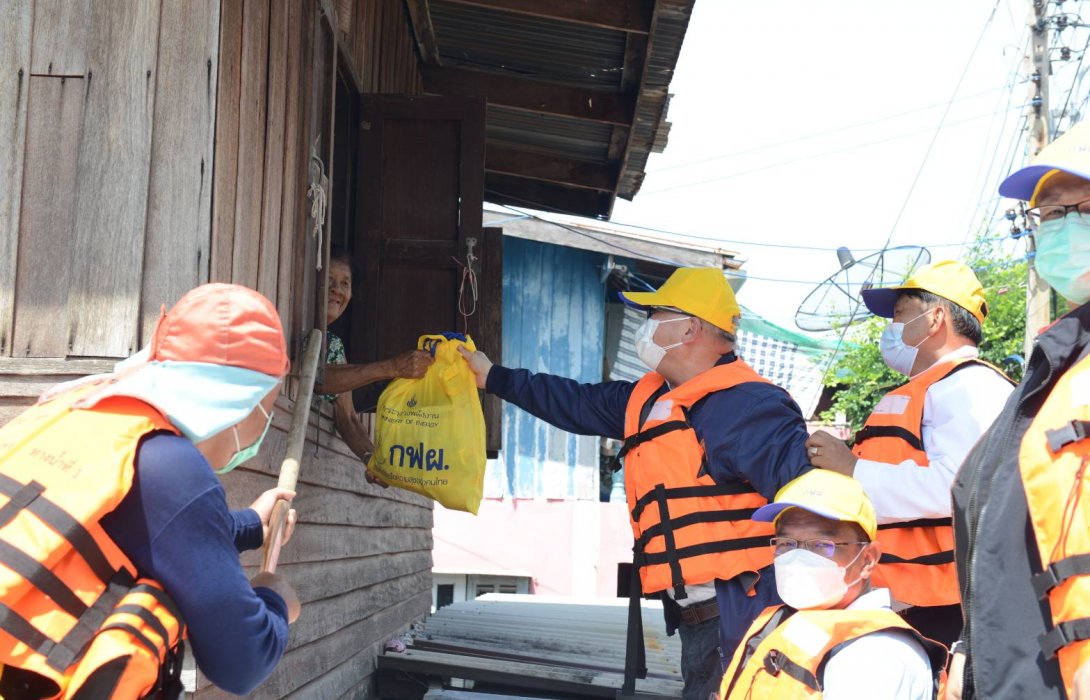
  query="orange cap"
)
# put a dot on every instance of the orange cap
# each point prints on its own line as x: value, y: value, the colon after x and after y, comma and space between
x: 223, y: 324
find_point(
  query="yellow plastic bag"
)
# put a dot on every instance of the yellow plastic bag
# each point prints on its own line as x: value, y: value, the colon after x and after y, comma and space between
x: 429, y: 432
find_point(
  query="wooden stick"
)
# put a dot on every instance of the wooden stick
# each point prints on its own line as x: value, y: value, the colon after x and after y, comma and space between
x: 297, y: 438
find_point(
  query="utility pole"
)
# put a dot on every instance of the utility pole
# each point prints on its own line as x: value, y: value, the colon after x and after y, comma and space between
x: 1038, y: 136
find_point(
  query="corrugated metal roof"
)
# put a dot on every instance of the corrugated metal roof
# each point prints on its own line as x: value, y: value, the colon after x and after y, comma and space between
x: 576, y: 55
x: 533, y: 47
x: 548, y: 134
x: 543, y: 639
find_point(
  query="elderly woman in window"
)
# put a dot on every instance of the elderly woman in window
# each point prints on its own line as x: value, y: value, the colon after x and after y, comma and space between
x: 341, y: 377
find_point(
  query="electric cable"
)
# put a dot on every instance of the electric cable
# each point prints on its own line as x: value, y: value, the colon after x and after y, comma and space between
x: 826, y: 132
x: 789, y: 161
x: 912, y: 188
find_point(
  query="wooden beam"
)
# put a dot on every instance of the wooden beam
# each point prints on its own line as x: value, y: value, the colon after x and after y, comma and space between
x: 570, y: 173
x: 531, y: 95
x: 546, y: 196
x: 636, y: 64
x: 424, y: 31
x: 624, y: 15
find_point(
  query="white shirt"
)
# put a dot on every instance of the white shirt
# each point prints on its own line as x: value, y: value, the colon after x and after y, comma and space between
x: 957, y: 410
x: 879, y: 666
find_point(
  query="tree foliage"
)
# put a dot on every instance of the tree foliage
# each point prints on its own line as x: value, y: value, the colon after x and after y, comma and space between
x: 860, y: 376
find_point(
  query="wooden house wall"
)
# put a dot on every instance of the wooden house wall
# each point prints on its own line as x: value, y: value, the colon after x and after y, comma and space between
x: 153, y: 146
x: 377, y: 46
x: 108, y: 111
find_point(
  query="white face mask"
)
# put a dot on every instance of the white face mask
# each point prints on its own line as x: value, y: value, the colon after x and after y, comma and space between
x: 898, y: 356
x: 809, y: 581
x: 650, y: 353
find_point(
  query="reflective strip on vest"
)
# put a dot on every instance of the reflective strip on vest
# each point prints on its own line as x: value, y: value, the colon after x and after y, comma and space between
x: 1053, y: 460
x: 687, y: 528
x: 917, y: 562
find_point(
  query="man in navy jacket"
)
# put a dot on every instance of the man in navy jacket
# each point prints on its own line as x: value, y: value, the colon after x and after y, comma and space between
x: 752, y: 433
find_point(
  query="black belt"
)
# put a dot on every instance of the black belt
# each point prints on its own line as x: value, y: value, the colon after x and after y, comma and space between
x: 700, y: 612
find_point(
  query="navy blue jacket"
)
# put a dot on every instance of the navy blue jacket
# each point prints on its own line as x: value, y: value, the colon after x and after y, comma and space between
x: 175, y: 527
x: 752, y: 432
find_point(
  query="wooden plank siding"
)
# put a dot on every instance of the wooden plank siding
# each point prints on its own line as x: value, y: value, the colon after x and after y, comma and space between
x: 168, y: 146
x: 180, y: 187
x: 378, y: 43
x: 55, y: 113
x: 15, y: 32
x: 107, y: 250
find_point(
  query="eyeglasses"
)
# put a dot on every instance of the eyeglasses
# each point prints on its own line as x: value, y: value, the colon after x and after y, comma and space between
x: 824, y: 548
x: 651, y: 311
x: 1055, y: 212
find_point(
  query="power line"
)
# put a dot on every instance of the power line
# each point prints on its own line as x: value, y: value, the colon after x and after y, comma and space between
x: 826, y: 132
x: 789, y: 161
x: 912, y: 188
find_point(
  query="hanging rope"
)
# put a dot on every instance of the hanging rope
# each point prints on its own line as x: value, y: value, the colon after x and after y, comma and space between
x: 316, y: 193
x: 468, y: 283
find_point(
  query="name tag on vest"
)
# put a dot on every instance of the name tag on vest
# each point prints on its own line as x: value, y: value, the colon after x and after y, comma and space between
x: 661, y: 410
x: 892, y: 405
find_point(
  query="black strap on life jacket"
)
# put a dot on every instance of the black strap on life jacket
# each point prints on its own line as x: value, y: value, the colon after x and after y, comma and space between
x: 1061, y: 437
x: 755, y: 641
x: 933, y: 559
x: 59, y: 520
x: 671, y: 554
x: 666, y: 525
x: 776, y: 661
x: 635, y: 656
x: 913, y: 439
x: 732, y: 489
x: 1063, y: 634
x: 637, y: 439
x: 59, y: 654
x: 893, y: 431
x: 1059, y: 571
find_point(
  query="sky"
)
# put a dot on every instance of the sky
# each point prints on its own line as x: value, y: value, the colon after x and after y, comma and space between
x: 843, y: 123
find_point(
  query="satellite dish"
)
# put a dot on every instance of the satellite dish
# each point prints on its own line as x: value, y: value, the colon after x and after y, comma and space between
x: 836, y: 302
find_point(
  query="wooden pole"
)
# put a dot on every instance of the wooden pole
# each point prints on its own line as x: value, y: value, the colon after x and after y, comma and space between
x: 1040, y: 133
x: 297, y: 437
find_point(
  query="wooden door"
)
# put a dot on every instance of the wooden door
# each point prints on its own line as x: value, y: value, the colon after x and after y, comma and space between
x: 421, y: 187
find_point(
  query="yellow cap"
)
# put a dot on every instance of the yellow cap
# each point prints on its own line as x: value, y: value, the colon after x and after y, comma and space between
x: 1069, y: 153
x: 701, y: 291
x: 948, y: 279
x: 825, y: 493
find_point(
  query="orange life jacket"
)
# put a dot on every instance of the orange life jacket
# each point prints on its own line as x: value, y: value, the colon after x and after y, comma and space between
x: 917, y: 563
x: 770, y: 664
x: 688, y: 528
x: 75, y: 623
x: 1053, y: 461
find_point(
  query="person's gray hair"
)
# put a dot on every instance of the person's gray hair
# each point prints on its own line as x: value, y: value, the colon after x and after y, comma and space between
x: 720, y: 333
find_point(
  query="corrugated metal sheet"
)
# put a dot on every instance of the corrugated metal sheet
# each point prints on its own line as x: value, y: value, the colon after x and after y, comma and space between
x: 554, y: 321
x: 548, y: 134
x: 570, y: 54
x: 584, y: 635
x: 533, y: 47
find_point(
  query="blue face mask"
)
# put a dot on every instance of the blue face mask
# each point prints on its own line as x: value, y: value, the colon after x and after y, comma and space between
x: 241, y: 455
x: 1063, y: 256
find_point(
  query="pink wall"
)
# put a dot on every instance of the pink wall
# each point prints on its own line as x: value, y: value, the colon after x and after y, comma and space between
x: 567, y: 547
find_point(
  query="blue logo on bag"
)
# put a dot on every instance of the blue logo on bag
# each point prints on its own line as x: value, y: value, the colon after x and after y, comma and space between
x: 411, y: 402
x: 418, y: 457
